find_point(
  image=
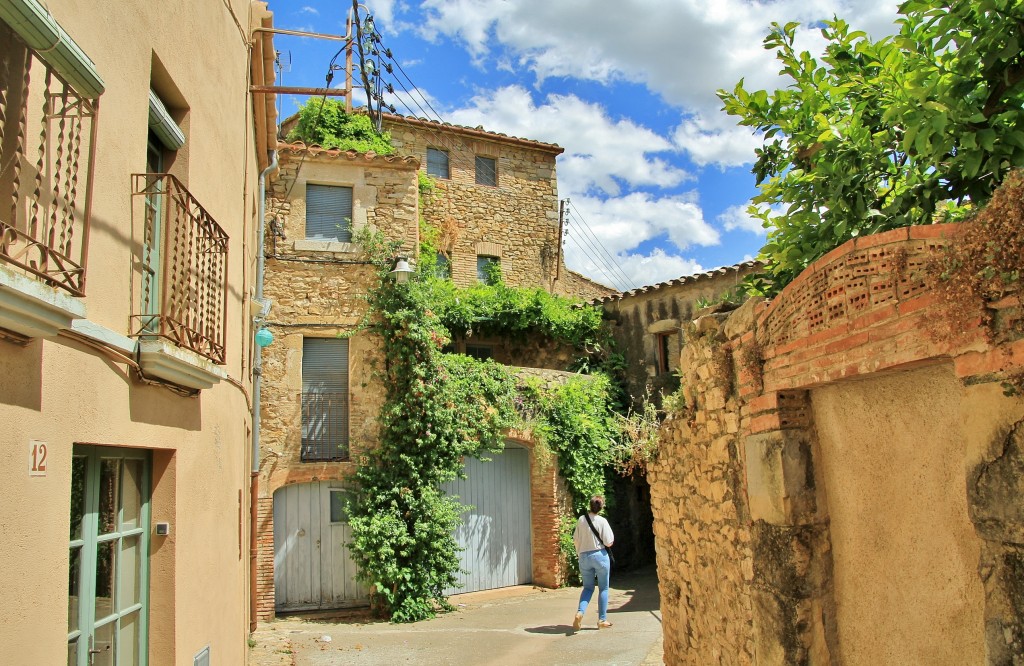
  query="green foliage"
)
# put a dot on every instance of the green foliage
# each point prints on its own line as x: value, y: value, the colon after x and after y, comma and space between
x: 636, y: 447
x: 325, y: 122
x: 440, y: 408
x: 883, y: 134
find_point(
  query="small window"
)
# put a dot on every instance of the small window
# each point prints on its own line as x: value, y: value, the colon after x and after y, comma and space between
x: 339, y: 501
x: 328, y: 213
x: 437, y: 163
x: 488, y: 269
x: 481, y: 352
x: 486, y: 171
x: 668, y: 352
x: 442, y: 267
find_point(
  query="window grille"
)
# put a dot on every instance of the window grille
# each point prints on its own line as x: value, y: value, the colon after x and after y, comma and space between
x: 324, y: 399
x: 486, y: 171
x: 437, y: 163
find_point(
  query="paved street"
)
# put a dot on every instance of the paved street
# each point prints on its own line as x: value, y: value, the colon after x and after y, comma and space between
x: 520, y: 625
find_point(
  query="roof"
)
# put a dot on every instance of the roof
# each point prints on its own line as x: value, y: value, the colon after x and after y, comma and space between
x: 478, y: 131
x: 686, y: 279
x: 351, y: 155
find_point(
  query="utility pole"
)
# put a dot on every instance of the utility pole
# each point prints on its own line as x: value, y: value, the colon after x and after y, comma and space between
x: 558, y: 255
x: 348, y: 64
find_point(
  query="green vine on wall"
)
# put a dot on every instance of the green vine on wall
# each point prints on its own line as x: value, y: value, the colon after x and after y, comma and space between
x: 440, y: 408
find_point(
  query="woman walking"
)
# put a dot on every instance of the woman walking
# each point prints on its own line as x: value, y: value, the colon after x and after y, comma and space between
x: 593, y: 537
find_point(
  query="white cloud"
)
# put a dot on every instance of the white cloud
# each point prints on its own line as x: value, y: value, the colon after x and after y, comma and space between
x: 716, y: 140
x: 309, y: 10
x: 601, y: 153
x: 737, y: 217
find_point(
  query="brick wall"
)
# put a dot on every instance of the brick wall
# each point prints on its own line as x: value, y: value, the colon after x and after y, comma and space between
x: 742, y: 489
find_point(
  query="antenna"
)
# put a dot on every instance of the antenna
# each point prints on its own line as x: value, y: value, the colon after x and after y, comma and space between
x: 282, y: 63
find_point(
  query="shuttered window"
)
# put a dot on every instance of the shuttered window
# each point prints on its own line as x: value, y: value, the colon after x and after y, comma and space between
x: 328, y: 213
x: 324, y: 399
x: 486, y: 171
x: 437, y: 163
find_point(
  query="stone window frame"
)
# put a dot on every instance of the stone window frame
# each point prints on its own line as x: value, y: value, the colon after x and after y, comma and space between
x: 663, y: 331
x: 361, y: 193
x: 491, y: 251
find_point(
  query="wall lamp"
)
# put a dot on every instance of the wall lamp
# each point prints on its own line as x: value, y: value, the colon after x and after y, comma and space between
x: 402, y: 270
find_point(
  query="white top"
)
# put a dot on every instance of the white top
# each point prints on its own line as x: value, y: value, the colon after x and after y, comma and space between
x: 584, y: 538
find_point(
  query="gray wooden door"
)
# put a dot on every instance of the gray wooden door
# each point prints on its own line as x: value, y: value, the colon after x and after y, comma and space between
x: 312, y: 566
x: 495, y: 533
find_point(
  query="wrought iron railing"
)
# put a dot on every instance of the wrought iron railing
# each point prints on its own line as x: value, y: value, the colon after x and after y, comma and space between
x: 47, y: 146
x: 181, y: 267
x: 324, y: 426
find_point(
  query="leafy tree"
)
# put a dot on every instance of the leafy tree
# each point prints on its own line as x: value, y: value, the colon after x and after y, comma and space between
x: 883, y: 134
x: 325, y: 122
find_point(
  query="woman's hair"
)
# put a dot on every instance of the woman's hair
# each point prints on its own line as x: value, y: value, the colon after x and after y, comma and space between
x: 596, y: 504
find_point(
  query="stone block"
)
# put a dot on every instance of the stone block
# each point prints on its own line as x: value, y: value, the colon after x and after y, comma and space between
x: 780, y: 478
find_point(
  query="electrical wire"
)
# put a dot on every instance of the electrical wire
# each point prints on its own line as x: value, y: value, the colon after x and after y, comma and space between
x: 601, y: 255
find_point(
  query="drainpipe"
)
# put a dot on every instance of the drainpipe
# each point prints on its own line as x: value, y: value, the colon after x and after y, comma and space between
x: 257, y: 371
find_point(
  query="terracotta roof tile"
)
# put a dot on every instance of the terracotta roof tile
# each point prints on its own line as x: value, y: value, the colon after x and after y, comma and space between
x: 686, y: 279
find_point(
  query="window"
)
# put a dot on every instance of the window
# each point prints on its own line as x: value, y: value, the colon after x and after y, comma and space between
x: 486, y: 171
x: 488, y: 269
x: 324, y: 399
x: 667, y: 351
x: 328, y: 213
x: 437, y: 163
x: 481, y: 352
x: 442, y: 267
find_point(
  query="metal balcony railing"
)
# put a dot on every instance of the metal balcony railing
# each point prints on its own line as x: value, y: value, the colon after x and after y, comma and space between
x: 47, y: 148
x: 324, y: 426
x: 181, y: 268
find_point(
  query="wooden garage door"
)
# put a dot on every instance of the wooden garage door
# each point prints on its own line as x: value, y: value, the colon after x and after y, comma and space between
x: 495, y: 533
x: 312, y: 565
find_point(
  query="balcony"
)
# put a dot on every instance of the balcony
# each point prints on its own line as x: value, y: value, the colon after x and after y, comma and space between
x: 47, y: 145
x: 179, y: 280
x: 324, y: 427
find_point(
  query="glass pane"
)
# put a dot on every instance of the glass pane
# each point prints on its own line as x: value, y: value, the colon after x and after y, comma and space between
x: 104, y: 645
x: 109, y: 472
x: 78, y: 466
x: 131, y: 495
x: 106, y: 566
x: 128, y: 640
x: 130, y: 566
x: 73, y: 653
x: 339, y: 498
x: 74, y: 583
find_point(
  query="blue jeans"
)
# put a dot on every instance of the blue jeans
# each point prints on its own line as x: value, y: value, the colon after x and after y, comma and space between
x: 595, y: 566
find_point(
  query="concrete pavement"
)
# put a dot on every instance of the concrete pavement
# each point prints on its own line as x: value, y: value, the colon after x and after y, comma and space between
x: 519, y: 625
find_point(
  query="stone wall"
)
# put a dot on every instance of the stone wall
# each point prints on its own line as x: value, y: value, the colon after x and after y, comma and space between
x: 804, y: 517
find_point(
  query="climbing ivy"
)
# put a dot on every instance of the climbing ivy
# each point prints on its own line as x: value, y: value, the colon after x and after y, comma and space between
x: 440, y: 408
x: 326, y: 123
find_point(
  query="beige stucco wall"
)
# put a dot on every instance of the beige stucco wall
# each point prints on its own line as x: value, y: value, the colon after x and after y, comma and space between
x: 904, y: 549
x: 65, y: 392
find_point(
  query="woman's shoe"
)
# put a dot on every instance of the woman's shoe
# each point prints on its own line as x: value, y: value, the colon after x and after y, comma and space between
x: 577, y: 622
x: 604, y: 624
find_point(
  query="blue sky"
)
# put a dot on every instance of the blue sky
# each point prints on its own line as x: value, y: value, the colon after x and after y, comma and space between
x: 656, y: 171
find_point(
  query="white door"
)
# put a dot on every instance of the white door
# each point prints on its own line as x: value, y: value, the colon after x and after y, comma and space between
x: 312, y: 566
x: 495, y: 532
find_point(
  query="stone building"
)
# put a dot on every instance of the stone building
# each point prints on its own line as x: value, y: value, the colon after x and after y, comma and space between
x: 842, y: 482
x: 319, y: 396
x: 126, y: 264
x: 648, y: 325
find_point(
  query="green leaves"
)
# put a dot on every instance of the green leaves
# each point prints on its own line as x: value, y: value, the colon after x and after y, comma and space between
x: 325, y: 122
x: 879, y: 134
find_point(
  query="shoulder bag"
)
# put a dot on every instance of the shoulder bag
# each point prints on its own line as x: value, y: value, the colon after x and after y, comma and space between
x: 611, y: 558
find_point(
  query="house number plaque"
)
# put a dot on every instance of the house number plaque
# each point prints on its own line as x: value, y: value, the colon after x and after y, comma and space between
x: 37, y: 461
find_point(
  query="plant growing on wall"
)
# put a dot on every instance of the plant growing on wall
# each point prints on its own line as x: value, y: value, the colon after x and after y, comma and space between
x: 883, y: 134
x: 440, y: 408
x: 325, y: 122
